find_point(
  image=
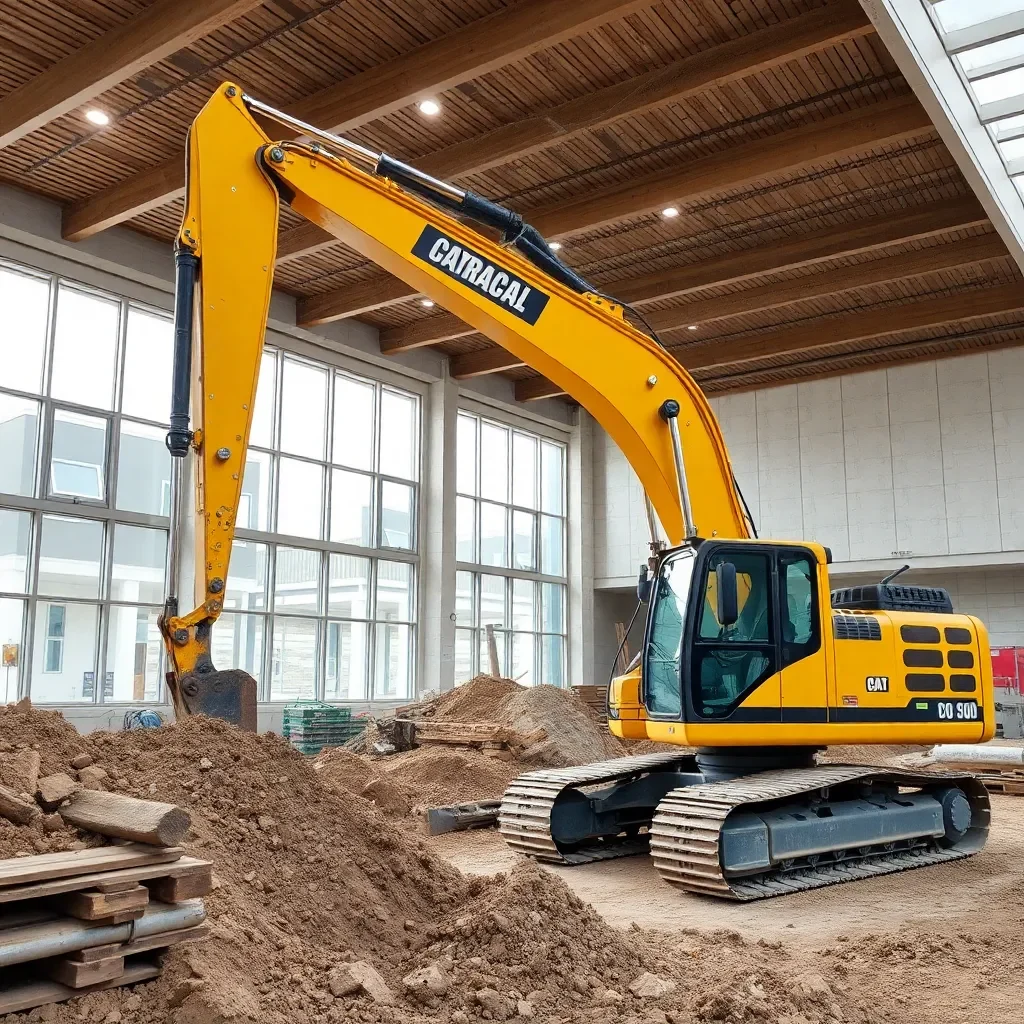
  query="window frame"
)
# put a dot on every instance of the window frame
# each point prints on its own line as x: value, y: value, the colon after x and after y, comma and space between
x: 54, y: 638
x: 40, y: 501
x: 478, y: 569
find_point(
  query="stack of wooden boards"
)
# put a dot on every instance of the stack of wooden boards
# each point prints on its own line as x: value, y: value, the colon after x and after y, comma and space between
x: 487, y: 737
x: 82, y: 920
x: 999, y: 765
x: 596, y: 698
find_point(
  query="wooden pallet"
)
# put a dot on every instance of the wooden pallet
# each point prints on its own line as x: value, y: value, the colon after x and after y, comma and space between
x: 1008, y: 779
x: 595, y: 697
x: 91, y: 902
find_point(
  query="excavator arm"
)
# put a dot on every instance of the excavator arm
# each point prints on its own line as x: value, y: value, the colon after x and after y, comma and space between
x: 515, y: 291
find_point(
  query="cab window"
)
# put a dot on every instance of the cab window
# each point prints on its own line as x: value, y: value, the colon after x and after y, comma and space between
x: 798, y: 607
x: 730, y: 661
x: 663, y: 669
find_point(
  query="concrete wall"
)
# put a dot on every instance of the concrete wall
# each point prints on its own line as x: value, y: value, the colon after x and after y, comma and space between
x: 921, y: 464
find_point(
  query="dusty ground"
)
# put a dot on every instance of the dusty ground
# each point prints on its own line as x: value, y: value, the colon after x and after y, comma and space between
x: 877, y: 929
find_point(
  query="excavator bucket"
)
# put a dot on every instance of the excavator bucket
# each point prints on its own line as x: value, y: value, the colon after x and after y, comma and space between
x: 228, y: 694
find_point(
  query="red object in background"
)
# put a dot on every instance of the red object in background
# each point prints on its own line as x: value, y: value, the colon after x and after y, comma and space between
x: 1008, y: 668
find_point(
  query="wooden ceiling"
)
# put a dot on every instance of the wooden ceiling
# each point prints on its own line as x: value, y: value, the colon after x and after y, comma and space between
x: 822, y: 224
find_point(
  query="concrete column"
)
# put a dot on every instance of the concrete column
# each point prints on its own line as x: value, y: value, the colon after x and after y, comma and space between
x: 580, y: 528
x: 437, y: 539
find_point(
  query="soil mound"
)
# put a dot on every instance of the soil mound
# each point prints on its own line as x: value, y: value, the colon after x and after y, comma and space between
x: 478, y: 700
x: 306, y: 878
x: 572, y: 733
x: 441, y: 776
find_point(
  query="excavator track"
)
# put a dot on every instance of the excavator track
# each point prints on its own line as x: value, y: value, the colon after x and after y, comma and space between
x: 686, y: 833
x: 524, y: 818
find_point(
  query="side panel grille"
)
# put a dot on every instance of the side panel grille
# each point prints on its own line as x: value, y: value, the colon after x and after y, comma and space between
x: 856, y: 627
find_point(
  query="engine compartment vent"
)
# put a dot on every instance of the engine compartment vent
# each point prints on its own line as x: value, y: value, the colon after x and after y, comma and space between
x: 889, y: 597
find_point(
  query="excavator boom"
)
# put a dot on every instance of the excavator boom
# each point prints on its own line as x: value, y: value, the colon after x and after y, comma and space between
x: 531, y: 304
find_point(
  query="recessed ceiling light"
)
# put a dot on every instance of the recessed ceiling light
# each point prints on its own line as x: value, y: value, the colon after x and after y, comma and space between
x: 429, y: 107
x: 97, y: 117
x: 670, y: 211
x: 427, y: 303
x: 692, y: 327
x: 554, y: 246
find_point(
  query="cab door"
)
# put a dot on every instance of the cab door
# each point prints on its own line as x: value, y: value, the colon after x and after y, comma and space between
x: 801, y: 650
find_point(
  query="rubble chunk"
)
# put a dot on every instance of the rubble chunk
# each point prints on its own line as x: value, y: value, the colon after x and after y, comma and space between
x: 650, y: 986
x: 811, y: 984
x: 428, y: 982
x: 53, y: 790
x: 82, y: 761
x: 91, y: 777
x: 20, y: 771
x: 14, y: 809
x: 499, y: 1007
x: 347, y: 979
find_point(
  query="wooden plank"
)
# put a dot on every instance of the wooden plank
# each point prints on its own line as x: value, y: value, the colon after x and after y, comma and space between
x: 95, y: 906
x: 831, y: 138
x: 159, y: 941
x: 47, y: 866
x: 81, y: 975
x: 178, y: 868
x: 126, y: 817
x: 173, y: 889
x: 848, y: 327
x: 121, y: 917
x: 473, y: 50
x: 117, y: 885
x: 38, y: 993
x: 153, y: 34
x: 867, y: 235
x: 622, y: 658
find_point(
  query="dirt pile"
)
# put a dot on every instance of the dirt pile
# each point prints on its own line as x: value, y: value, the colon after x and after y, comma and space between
x: 441, y: 776
x: 572, y: 733
x: 306, y: 878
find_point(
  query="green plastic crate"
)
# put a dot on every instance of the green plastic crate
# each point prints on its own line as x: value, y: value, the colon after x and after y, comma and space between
x: 312, y: 725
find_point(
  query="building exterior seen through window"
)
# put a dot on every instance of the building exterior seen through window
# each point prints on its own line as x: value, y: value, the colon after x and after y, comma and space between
x: 510, y: 550
x: 321, y: 598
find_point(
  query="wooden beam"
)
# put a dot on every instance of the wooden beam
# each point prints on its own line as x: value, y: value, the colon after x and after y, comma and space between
x: 830, y: 282
x: 488, y: 360
x: 301, y: 240
x: 816, y: 143
x: 709, y: 69
x: 829, y: 243
x: 714, y: 67
x: 532, y: 389
x: 423, y: 332
x: 348, y: 300
x: 870, y: 323
x: 151, y: 35
x: 473, y: 50
x: 805, y: 249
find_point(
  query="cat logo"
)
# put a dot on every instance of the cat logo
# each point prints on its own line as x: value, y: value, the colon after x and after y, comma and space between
x: 878, y: 684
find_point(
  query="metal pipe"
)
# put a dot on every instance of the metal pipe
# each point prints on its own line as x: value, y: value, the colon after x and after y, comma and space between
x: 669, y: 412
x: 173, y: 565
x: 353, y: 149
x: 67, y: 934
x: 656, y: 543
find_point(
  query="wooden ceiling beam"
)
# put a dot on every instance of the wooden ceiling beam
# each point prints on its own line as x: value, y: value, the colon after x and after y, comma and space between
x: 119, y: 53
x: 717, y: 66
x: 352, y: 299
x: 831, y: 138
x: 473, y: 50
x: 831, y: 282
x: 830, y: 243
x: 870, y: 323
x: 838, y: 135
x: 477, y: 364
x: 532, y: 389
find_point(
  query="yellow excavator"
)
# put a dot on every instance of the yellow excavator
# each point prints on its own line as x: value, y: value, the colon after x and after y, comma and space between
x: 748, y: 661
